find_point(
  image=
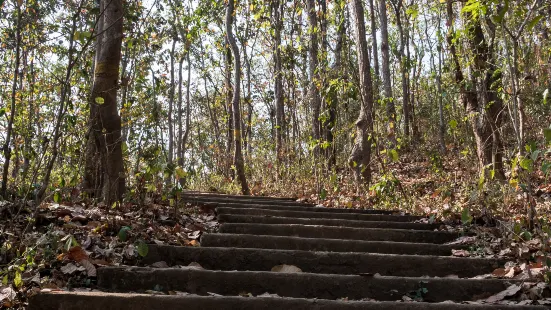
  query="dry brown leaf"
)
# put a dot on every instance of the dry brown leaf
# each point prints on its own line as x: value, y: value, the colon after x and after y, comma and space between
x: 77, y: 254
x: 499, y: 272
x: 286, y: 269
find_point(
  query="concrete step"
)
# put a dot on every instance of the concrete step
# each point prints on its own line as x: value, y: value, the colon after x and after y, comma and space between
x: 331, y: 245
x: 229, y: 218
x: 318, y: 214
x: 328, y: 232
x: 243, y: 200
x: 322, y: 262
x: 114, y: 301
x: 298, y: 208
x: 219, y: 195
x: 299, y: 285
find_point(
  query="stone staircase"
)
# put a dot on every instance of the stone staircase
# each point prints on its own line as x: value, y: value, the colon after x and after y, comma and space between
x: 350, y: 259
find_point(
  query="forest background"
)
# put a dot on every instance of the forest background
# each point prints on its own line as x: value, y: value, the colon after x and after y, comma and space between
x: 431, y: 107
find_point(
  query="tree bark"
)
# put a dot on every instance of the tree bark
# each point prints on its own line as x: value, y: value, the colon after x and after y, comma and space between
x: 238, y: 156
x: 361, y: 151
x: 313, y: 71
x: 485, y: 118
x: 387, y: 81
x: 7, y: 142
x: 277, y: 22
x: 104, y: 175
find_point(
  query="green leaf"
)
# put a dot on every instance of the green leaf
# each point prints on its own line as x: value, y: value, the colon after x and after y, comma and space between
x: 526, y: 235
x: 5, y: 279
x: 123, y: 233
x: 545, y: 167
x: 143, y: 249
x: 453, y: 124
x: 100, y: 100
x: 57, y: 197
x: 526, y: 164
x: 466, y: 217
x: 394, y: 155
x: 547, y: 135
x: 533, y: 23
x: 545, y: 93
x: 323, y: 193
x: 2, y: 110
x: 180, y: 173
x: 17, y: 281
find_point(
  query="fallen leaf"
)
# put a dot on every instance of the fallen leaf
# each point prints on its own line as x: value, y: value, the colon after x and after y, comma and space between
x: 461, y: 253
x: 77, y: 254
x: 195, y: 265
x: 286, y: 269
x: 499, y: 272
x: 510, y: 291
x: 69, y: 268
x: 161, y: 264
x: 90, y: 268
x: 7, y: 293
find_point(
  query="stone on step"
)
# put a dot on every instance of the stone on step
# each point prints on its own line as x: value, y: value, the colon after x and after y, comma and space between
x: 330, y: 232
x: 331, y: 245
x: 318, y: 214
x: 116, y: 301
x: 230, y: 218
x: 299, y: 285
x: 297, y: 208
x: 322, y: 262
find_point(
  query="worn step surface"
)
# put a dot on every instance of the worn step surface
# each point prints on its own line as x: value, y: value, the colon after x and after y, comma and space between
x: 329, y: 232
x: 299, y: 285
x: 244, y: 200
x: 318, y: 214
x: 322, y: 262
x: 297, y: 208
x: 228, y: 196
x: 230, y: 218
x: 114, y: 301
x: 331, y: 245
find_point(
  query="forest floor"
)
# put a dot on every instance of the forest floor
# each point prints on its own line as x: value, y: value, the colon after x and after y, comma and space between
x: 60, y: 245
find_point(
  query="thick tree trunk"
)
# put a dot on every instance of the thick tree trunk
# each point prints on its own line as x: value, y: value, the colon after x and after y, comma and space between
x: 277, y: 22
x: 361, y: 152
x: 229, y: 111
x: 314, y: 77
x: 333, y: 101
x: 387, y: 81
x: 104, y: 175
x: 7, y: 143
x: 484, y: 117
x: 171, y: 95
x: 238, y: 156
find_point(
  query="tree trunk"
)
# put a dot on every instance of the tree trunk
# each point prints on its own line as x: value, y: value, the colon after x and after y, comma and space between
x: 277, y: 22
x: 238, y: 156
x: 333, y: 101
x: 171, y: 95
x: 361, y: 151
x: 17, y: 61
x: 484, y: 117
x: 104, y: 175
x: 229, y: 109
x: 314, y: 77
x: 387, y: 81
